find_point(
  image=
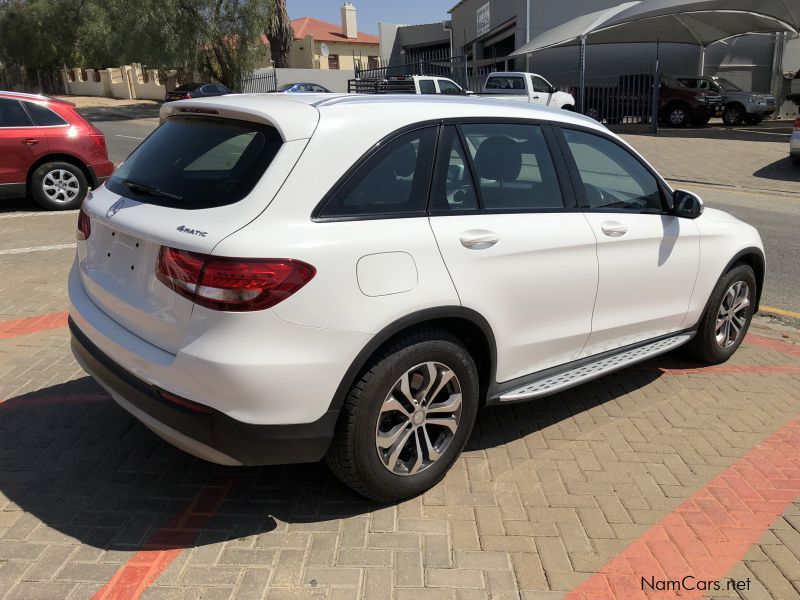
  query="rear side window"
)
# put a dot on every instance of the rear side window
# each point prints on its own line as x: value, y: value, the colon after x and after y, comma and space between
x: 12, y: 114
x: 193, y: 163
x: 426, y: 86
x: 514, y: 167
x: 43, y: 116
x: 508, y: 83
x: 393, y: 181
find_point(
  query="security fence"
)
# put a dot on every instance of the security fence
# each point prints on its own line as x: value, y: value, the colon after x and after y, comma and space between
x: 260, y: 82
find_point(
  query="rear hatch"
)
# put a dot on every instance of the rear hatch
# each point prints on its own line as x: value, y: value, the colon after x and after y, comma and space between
x: 203, y: 174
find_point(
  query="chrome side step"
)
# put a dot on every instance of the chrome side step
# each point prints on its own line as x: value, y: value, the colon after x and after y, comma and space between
x: 587, y: 371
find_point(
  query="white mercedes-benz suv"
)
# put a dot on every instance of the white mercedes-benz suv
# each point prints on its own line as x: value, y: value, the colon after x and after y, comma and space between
x: 278, y: 279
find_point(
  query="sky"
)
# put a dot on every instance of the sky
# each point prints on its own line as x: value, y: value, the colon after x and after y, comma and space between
x: 370, y: 12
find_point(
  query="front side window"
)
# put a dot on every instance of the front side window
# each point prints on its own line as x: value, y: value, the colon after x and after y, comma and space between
x: 448, y: 87
x: 12, y: 114
x: 540, y: 85
x: 612, y: 178
x: 43, y: 116
x: 392, y: 182
x: 514, y: 167
x: 194, y: 163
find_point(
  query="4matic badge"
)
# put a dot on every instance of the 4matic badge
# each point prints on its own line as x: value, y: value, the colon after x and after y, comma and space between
x: 197, y: 232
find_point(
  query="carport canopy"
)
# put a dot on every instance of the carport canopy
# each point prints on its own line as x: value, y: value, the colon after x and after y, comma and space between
x: 699, y: 22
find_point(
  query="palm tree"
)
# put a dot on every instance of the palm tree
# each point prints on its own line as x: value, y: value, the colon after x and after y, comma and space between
x: 280, y: 34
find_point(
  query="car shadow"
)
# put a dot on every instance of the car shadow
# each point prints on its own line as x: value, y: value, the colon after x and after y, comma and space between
x: 85, y: 468
x: 780, y: 170
x: 124, y: 112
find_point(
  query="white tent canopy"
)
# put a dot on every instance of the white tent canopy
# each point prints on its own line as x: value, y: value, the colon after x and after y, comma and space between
x: 700, y: 22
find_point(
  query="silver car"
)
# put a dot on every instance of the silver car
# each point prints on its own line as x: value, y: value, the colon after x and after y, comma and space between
x: 794, y: 143
x: 740, y: 105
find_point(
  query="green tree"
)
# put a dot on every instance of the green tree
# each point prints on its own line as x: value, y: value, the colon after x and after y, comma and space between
x: 228, y: 36
x: 280, y: 34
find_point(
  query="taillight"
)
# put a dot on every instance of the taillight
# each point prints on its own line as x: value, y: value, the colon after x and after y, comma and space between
x: 232, y: 284
x: 797, y: 124
x: 187, y: 96
x: 84, y: 226
x: 99, y: 140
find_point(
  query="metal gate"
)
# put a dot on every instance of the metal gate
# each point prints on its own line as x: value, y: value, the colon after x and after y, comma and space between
x: 260, y: 82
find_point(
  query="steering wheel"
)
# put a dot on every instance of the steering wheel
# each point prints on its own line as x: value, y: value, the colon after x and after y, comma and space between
x: 460, y: 194
x: 595, y: 196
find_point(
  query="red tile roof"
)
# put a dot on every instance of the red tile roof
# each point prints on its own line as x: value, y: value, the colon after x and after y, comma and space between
x: 327, y: 32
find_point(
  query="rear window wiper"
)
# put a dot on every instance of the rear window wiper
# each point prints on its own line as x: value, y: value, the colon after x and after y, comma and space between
x: 142, y: 188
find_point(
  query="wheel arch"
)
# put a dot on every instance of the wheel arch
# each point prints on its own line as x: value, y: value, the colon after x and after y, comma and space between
x: 91, y: 179
x: 754, y: 258
x: 466, y: 324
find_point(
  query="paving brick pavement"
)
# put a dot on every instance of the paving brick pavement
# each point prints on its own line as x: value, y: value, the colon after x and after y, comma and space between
x: 547, y: 494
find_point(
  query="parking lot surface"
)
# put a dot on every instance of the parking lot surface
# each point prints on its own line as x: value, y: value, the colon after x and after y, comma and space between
x: 661, y: 473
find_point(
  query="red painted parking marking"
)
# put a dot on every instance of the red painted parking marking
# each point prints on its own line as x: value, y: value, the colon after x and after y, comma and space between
x: 35, y: 401
x: 773, y: 344
x: 166, y: 544
x: 712, y: 530
x: 29, y: 325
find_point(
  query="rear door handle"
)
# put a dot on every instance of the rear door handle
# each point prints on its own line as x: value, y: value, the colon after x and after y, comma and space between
x: 478, y: 239
x: 30, y: 141
x: 614, y: 229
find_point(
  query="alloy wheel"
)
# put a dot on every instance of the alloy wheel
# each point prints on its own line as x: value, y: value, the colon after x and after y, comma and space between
x: 418, y: 419
x: 732, y: 314
x: 59, y: 185
x: 677, y: 116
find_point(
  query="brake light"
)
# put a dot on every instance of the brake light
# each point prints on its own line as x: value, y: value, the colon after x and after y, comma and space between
x: 231, y: 284
x: 187, y: 96
x: 797, y: 124
x: 99, y: 139
x: 84, y: 226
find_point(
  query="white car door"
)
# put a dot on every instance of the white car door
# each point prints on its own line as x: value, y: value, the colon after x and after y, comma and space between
x: 541, y: 91
x: 518, y: 249
x: 648, y: 259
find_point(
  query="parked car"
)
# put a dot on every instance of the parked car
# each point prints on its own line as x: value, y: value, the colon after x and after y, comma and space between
x: 302, y: 88
x: 794, y: 143
x: 49, y: 151
x: 739, y: 105
x: 406, y: 84
x: 196, y: 90
x: 632, y: 98
x: 454, y: 253
x: 526, y: 87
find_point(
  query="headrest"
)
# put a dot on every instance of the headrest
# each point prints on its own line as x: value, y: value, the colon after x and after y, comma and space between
x: 499, y: 158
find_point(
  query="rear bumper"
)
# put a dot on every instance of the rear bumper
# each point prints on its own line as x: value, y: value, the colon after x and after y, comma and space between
x: 212, y: 436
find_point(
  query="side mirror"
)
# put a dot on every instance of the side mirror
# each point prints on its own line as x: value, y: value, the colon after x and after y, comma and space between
x: 687, y: 205
x: 553, y: 89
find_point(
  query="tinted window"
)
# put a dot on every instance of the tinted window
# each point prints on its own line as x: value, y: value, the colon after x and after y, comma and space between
x: 540, y: 85
x: 187, y: 87
x: 505, y: 83
x: 426, y: 86
x: 514, y: 166
x: 612, y: 177
x: 204, y: 162
x: 448, y: 87
x: 222, y: 89
x: 453, y: 188
x: 43, y: 116
x: 394, y: 181
x: 12, y: 114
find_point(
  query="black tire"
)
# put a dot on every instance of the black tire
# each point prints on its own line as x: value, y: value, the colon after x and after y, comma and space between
x: 594, y: 112
x: 354, y: 455
x: 733, y: 115
x: 678, y: 114
x: 753, y: 119
x: 704, y: 346
x: 58, y: 186
x: 701, y: 121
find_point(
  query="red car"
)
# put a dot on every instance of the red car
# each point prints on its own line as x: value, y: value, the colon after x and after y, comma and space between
x: 49, y: 151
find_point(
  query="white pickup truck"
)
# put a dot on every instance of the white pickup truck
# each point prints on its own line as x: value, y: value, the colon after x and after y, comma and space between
x: 406, y: 84
x: 526, y: 87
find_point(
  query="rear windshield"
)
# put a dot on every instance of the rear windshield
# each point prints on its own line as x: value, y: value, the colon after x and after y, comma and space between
x: 188, y: 87
x: 196, y: 162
